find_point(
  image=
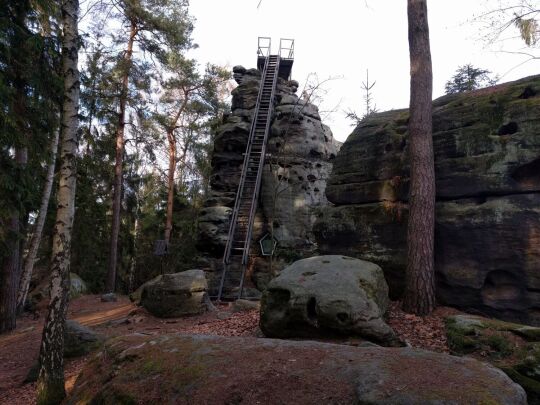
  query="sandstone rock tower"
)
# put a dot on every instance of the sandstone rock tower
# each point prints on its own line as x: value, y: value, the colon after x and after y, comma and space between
x: 270, y: 164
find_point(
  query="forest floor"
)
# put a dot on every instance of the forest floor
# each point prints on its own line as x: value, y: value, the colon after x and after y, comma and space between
x: 19, y: 349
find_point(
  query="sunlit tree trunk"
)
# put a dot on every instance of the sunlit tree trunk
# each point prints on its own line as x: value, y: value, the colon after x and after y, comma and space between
x: 50, y: 385
x: 172, y: 165
x: 118, y: 168
x: 170, y: 185
x: 28, y: 266
x: 419, y: 297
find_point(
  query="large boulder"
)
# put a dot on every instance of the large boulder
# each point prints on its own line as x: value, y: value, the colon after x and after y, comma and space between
x: 327, y: 295
x: 183, y: 369
x: 79, y: 339
x: 176, y: 295
x: 487, y: 159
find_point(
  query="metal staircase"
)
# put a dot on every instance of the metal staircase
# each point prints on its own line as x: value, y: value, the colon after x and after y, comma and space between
x: 236, y: 256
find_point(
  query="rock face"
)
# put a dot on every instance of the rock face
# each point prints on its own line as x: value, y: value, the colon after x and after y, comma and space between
x: 176, y: 295
x: 487, y: 160
x: 327, y: 295
x: 216, y: 370
x: 294, y: 177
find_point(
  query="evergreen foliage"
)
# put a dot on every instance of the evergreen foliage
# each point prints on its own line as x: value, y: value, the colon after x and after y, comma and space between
x: 29, y: 96
x: 158, y: 74
x: 467, y: 78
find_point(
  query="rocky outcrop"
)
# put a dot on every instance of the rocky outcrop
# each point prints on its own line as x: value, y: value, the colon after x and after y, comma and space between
x: 300, y: 149
x: 219, y: 370
x: 325, y: 295
x: 487, y: 163
x: 176, y: 295
x: 513, y: 348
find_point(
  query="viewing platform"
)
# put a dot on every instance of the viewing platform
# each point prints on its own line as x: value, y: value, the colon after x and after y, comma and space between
x: 286, y: 54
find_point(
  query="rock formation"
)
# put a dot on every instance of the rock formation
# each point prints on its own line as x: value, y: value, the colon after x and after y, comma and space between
x: 328, y: 295
x: 487, y: 164
x: 513, y: 348
x: 301, y: 148
x: 177, y: 294
x: 183, y: 369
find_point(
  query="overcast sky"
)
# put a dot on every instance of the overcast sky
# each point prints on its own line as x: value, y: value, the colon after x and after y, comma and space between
x: 343, y: 38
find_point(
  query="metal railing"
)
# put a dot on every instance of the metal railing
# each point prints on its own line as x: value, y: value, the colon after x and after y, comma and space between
x: 286, y: 48
x: 264, y: 47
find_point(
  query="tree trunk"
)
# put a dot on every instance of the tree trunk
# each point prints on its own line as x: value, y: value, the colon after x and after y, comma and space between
x: 183, y: 162
x: 170, y: 185
x: 172, y: 164
x: 419, y: 297
x: 36, y: 237
x: 10, y: 274
x: 50, y: 385
x: 118, y: 168
x: 133, y: 264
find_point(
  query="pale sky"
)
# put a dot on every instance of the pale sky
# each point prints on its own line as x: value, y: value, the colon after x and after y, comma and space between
x: 346, y: 37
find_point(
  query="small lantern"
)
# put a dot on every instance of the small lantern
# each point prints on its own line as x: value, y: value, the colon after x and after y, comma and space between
x: 268, y: 244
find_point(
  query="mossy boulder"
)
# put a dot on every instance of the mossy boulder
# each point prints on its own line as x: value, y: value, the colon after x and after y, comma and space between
x: 180, y: 369
x: 327, y: 295
x: 79, y: 339
x: 176, y: 295
x: 77, y: 286
x: 512, y: 347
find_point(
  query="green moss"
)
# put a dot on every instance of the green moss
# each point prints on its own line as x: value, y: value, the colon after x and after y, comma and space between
x: 531, y: 387
x: 530, y: 334
x: 150, y: 367
x: 185, y: 376
x: 460, y: 340
x: 111, y: 395
x: 51, y: 393
x: 499, y: 344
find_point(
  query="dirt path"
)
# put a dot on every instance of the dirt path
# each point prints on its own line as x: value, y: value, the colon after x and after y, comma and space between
x: 19, y: 349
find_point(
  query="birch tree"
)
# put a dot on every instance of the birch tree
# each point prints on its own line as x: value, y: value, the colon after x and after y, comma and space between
x: 50, y: 385
x: 30, y: 259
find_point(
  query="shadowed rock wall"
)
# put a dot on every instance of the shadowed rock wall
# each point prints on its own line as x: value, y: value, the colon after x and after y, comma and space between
x: 487, y: 164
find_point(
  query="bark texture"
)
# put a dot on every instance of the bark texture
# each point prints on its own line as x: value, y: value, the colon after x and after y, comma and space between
x: 171, y: 138
x: 118, y: 168
x: 9, y: 276
x: 28, y: 266
x: 170, y: 185
x: 50, y: 385
x: 419, y: 297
